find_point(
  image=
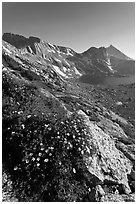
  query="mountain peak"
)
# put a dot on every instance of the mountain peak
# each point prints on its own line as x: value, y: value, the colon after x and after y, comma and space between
x: 114, y: 52
x: 111, y: 46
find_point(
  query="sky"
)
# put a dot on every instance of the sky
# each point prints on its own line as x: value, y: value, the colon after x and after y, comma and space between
x: 78, y: 25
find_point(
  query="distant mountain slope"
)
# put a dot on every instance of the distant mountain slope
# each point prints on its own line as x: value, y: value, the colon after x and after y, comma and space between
x: 96, y: 62
x: 123, y: 66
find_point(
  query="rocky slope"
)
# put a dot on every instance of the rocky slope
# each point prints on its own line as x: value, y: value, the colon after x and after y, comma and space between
x: 59, y: 142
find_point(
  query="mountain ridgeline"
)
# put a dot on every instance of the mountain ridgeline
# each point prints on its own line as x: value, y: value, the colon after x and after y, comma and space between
x: 64, y: 140
x: 96, y: 62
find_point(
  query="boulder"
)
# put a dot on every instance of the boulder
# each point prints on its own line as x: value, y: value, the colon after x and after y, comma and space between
x: 104, y: 161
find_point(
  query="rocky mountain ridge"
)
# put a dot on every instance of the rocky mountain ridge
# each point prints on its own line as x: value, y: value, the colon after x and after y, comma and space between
x: 95, y: 61
x: 59, y: 142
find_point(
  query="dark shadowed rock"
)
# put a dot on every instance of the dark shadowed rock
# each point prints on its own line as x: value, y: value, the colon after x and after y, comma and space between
x: 19, y: 41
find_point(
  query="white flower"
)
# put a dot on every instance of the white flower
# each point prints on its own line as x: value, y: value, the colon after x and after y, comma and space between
x: 13, y: 132
x: 79, y: 149
x: 74, y: 170
x: 42, y: 148
x: 51, y: 148
x: 46, y: 160
x: 15, y: 168
x: 27, y: 161
x: 23, y: 126
x: 82, y: 152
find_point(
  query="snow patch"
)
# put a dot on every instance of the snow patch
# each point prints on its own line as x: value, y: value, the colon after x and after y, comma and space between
x: 69, y: 52
x: 57, y: 60
x: 53, y: 51
x: 59, y: 53
x: 74, y: 170
x: 6, y: 49
x: 109, y: 65
x: 4, y: 68
x: 77, y: 72
x: 30, y: 49
x: 67, y: 63
x: 64, y: 69
x: 49, y: 50
x: 39, y: 62
x: 59, y: 71
x: 51, y: 45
